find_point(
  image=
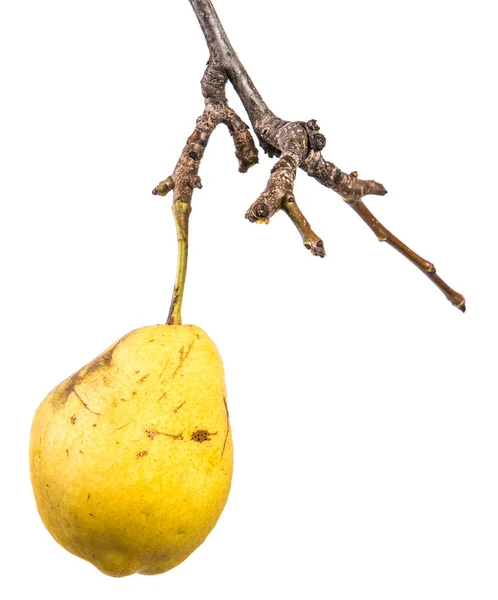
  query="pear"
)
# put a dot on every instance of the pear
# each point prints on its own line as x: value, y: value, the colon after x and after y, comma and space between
x: 131, y: 457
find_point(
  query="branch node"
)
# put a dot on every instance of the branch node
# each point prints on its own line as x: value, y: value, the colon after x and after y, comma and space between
x: 164, y: 187
x: 196, y: 182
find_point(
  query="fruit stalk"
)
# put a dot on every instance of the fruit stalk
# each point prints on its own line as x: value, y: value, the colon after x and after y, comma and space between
x: 181, y: 214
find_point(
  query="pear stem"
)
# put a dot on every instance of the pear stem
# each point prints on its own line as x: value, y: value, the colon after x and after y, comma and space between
x: 181, y: 214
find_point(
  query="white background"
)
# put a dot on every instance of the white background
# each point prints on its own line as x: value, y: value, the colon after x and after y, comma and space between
x: 363, y: 405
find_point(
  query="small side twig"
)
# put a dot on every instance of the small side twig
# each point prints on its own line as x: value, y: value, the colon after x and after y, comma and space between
x: 310, y: 240
x: 384, y: 235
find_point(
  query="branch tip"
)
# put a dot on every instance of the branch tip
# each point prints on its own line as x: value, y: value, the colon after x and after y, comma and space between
x: 316, y: 248
x: 384, y: 235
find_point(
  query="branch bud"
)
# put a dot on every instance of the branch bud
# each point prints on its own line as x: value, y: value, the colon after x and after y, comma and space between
x: 164, y: 187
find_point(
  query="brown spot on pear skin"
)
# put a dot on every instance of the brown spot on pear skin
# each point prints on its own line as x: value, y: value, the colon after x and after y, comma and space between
x: 179, y: 406
x: 163, y: 395
x: 67, y: 386
x: 73, y: 419
x: 104, y: 360
x: 142, y: 453
x: 164, y: 369
x: 183, y: 358
x: 228, y: 425
x: 151, y: 434
x: 201, y: 435
x: 143, y: 378
x: 122, y: 426
x: 85, y: 404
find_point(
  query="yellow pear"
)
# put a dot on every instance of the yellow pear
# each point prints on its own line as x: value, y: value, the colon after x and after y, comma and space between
x: 131, y: 457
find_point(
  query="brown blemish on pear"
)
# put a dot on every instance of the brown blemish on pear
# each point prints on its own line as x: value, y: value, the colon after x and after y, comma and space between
x: 101, y: 362
x: 85, y: 404
x: 228, y: 425
x: 183, y: 358
x: 202, y: 435
x: 151, y: 434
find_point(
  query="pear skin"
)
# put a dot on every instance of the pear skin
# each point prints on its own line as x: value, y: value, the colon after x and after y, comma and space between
x: 131, y: 457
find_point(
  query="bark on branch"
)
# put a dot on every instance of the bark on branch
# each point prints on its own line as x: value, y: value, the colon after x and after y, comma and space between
x: 297, y: 144
x: 185, y: 177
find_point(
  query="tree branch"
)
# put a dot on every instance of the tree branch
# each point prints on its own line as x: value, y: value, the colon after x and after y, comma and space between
x: 295, y: 143
x: 185, y: 177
